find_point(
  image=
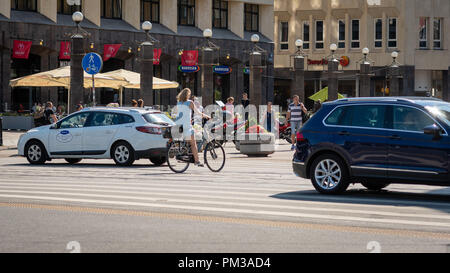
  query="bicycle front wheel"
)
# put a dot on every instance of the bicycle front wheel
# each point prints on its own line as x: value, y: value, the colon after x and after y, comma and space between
x: 176, y: 158
x: 214, y: 156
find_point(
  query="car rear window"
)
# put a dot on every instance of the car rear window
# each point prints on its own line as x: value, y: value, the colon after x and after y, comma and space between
x: 158, y: 118
x: 339, y: 116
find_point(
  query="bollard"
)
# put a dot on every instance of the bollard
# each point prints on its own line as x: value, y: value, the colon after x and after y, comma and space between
x: 1, y: 131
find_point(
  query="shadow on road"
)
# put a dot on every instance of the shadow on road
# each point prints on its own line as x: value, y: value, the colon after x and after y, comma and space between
x: 87, y: 165
x: 435, y: 199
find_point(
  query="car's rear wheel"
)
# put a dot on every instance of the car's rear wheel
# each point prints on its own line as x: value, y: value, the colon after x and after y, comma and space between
x: 329, y: 174
x: 158, y: 161
x: 72, y: 160
x: 35, y: 152
x: 123, y: 154
x: 374, y: 186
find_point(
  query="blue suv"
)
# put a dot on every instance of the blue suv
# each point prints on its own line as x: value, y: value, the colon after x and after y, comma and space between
x: 375, y: 142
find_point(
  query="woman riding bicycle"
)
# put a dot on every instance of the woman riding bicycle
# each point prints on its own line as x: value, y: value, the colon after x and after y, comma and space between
x: 184, y: 115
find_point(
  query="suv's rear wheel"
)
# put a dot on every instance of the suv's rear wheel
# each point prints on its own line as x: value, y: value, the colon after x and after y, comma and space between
x: 35, y: 152
x: 158, y: 161
x: 374, y: 186
x: 123, y: 154
x: 329, y: 174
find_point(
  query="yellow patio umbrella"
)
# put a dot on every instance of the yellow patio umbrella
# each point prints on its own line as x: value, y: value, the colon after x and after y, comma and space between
x: 322, y: 95
x: 133, y: 81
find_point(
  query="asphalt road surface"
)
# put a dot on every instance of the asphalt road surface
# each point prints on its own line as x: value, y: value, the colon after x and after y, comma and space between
x: 253, y: 205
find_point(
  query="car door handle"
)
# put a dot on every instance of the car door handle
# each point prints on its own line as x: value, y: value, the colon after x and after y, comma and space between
x: 344, y: 133
x: 395, y: 137
x: 77, y: 134
x: 109, y: 132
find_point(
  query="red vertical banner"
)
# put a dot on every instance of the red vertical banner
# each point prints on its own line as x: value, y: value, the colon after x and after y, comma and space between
x: 157, y: 56
x: 21, y: 49
x: 109, y: 51
x: 189, y: 58
x: 64, y: 51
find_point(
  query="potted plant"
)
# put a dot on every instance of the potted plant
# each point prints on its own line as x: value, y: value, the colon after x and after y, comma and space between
x: 256, y: 142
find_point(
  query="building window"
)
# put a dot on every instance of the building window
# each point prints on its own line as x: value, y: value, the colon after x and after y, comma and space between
x: 437, y: 33
x: 251, y: 17
x: 319, y: 34
x: 150, y: 11
x: 306, y: 35
x: 186, y: 12
x: 392, y: 33
x: 341, y: 34
x: 65, y: 8
x: 378, y: 33
x: 355, y: 33
x: 220, y: 14
x: 111, y: 9
x: 24, y: 5
x: 423, y: 36
x: 284, y: 35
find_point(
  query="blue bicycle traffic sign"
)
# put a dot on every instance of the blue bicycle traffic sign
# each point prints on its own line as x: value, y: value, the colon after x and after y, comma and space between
x: 92, y: 63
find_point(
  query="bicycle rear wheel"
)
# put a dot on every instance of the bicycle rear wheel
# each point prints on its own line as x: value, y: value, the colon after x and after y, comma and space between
x: 214, y: 156
x: 175, y: 154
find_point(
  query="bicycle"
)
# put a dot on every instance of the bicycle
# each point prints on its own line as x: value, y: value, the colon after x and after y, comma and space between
x: 180, y: 156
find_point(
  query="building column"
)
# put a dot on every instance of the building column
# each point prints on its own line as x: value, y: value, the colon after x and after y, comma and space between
x: 446, y: 85
x: 173, y: 71
x: 76, y: 72
x: 364, y: 79
x: 394, y: 88
x: 206, y: 77
x: 255, y: 79
x: 5, y: 94
x: 333, y: 66
x: 298, y: 82
x: 239, y: 82
x: 146, y: 91
x: 408, y: 81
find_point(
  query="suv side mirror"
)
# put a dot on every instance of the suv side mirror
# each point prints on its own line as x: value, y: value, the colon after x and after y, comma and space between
x: 433, y: 130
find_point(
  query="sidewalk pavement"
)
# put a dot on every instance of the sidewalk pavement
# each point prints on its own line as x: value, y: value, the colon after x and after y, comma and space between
x: 10, y: 139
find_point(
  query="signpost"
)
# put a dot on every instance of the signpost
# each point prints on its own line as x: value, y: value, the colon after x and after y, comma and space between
x: 92, y: 64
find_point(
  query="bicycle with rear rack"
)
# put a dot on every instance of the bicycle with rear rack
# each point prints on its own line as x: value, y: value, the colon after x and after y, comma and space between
x: 180, y: 156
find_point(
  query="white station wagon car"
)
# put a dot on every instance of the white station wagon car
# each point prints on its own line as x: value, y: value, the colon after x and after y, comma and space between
x: 123, y: 134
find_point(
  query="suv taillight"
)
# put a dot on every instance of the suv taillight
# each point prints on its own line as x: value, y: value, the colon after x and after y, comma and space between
x: 300, y: 137
x: 149, y: 130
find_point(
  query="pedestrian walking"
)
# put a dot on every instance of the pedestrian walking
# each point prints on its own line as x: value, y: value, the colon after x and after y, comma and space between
x: 134, y: 103
x: 295, y: 110
x: 140, y: 103
x: 49, y: 113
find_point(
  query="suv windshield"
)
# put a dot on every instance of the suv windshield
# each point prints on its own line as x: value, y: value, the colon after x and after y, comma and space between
x: 158, y: 118
x: 438, y: 109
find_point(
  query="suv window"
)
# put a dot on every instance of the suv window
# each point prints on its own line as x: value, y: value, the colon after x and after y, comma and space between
x: 369, y: 116
x: 410, y: 119
x: 104, y: 119
x: 75, y: 121
x: 125, y: 119
x: 339, y: 116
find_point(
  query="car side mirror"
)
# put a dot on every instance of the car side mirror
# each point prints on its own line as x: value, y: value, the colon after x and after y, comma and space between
x: 433, y: 130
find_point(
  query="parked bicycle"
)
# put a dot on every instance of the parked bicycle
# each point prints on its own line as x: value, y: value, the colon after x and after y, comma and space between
x: 179, y: 153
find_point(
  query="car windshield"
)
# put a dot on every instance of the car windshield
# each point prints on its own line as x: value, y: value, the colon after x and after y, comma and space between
x: 158, y: 118
x: 440, y: 110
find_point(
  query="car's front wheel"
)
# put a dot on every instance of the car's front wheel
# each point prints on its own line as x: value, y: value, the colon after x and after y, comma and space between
x: 158, y: 161
x: 72, y: 160
x: 329, y: 174
x: 123, y: 154
x: 35, y: 153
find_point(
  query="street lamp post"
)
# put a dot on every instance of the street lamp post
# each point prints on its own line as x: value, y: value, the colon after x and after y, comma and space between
x: 333, y: 66
x: 206, y: 74
x: 364, y: 74
x: 393, y: 74
x: 146, y: 91
x: 76, y: 70
x: 298, y: 84
x: 255, y: 87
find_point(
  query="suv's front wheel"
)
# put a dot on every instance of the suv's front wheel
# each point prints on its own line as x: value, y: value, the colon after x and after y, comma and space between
x: 123, y: 154
x: 329, y: 174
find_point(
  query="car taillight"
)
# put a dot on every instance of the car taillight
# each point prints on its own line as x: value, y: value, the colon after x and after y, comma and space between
x: 300, y: 137
x: 149, y: 130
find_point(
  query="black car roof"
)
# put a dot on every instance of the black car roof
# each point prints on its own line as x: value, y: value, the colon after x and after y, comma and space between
x: 407, y: 100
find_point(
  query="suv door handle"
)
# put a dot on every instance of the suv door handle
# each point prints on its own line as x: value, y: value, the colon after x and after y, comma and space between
x: 344, y: 133
x: 395, y: 137
x: 109, y: 132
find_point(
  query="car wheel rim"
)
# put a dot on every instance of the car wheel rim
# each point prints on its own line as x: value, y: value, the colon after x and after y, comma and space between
x: 122, y: 154
x: 34, y: 153
x: 328, y: 174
